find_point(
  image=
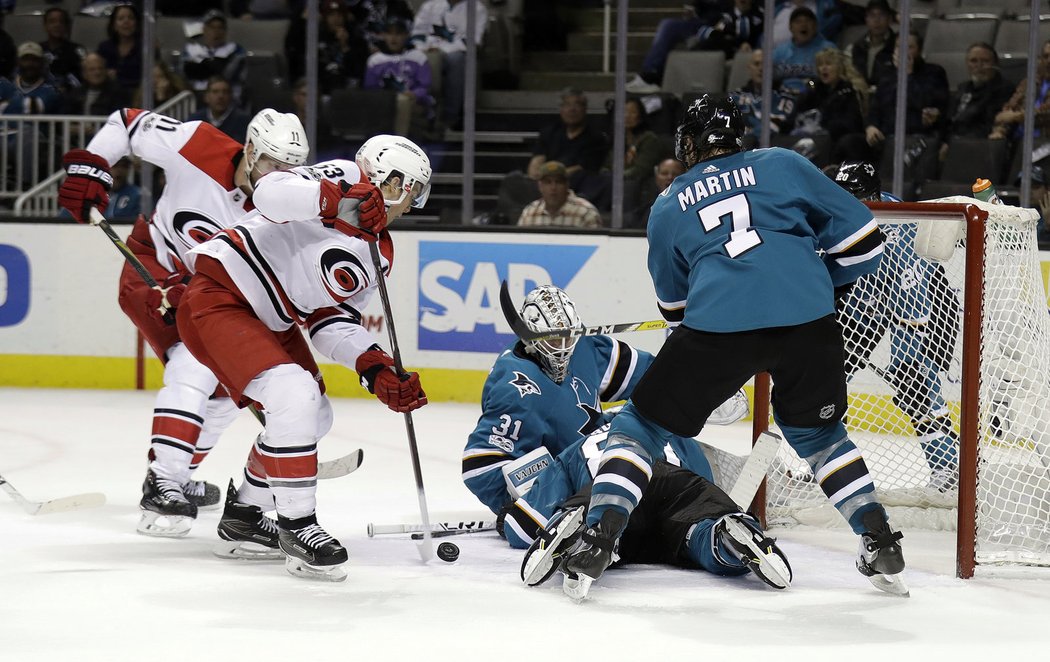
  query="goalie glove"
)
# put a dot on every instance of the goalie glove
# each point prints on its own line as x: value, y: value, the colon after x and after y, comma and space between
x: 400, y: 392
x: 356, y: 210
x: 163, y: 299
x: 87, y: 184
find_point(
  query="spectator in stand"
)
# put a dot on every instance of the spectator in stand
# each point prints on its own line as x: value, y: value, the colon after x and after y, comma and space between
x: 122, y: 51
x: 29, y: 93
x: 212, y: 54
x: 440, y: 29
x: 220, y: 111
x: 166, y: 85
x: 925, y: 115
x: 557, y: 204
x: 794, y: 62
x: 62, y: 55
x: 643, y: 149
x: 835, y: 103
x: 825, y: 12
x: 1009, y: 122
x: 100, y: 94
x: 978, y: 100
x: 749, y: 100
x: 728, y: 25
x: 374, y: 15
x: 663, y: 174
x: 576, y: 142
x: 405, y: 70
x: 125, y: 199
x: 872, y: 54
x: 343, y: 47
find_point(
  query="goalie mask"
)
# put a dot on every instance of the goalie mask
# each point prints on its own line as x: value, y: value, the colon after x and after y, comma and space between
x: 547, y: 308
x: 712, y: 121
x: 860, y: 179
x: 383, y: 157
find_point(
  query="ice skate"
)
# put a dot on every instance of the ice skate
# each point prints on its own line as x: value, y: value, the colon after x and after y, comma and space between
x: 741, y: 534
x: 204, y: 495
x: 880, y: 558
x: 250, y: 534
x: 311, y: 552
x: 558, y: 537
x: 596, y: 552
x: 166, y: 513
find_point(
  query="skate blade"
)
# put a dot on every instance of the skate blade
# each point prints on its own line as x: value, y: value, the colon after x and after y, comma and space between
x: 771, y: 568
x: 892, y: 584
x: 577, y: 588
x: 246, y: 551
x: 539, y: 566
x: 301, y: 569
x: 163, y: 526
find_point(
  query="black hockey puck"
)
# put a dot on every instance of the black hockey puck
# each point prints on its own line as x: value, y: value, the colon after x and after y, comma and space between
x: 448, y: 552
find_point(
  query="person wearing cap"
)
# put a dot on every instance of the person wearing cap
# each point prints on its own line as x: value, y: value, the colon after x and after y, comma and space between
x: 212, y: 54
x: 557, y: 204
x: 405, y: 70
x: 873, y: 53
x: 29, y: 93
x: 794, y: 62
x: 826, y: 12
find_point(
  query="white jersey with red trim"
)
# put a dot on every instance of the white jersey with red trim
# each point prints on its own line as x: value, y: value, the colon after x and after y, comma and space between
x: 199, y: 163
x: 294, y: 270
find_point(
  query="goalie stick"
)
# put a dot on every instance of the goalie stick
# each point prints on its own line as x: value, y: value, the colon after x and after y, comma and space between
x: 522, y: 330
x: 60, y: 505
x: 754, y: 470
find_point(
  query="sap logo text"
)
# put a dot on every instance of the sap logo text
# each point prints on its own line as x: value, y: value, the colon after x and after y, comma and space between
x: 14, y: 285
x: 459, y: 285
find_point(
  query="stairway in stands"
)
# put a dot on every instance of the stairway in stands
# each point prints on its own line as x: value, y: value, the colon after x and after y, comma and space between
x: 508, y: 121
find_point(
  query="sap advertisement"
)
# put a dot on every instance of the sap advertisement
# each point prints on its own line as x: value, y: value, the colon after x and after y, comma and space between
x: 459, y: 286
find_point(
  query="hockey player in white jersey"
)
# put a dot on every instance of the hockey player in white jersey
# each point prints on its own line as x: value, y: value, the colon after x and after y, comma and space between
x: 210, y: 180
x: 302, y: 260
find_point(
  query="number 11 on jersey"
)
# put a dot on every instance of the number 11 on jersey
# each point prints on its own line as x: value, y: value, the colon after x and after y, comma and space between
x: 742, y: 237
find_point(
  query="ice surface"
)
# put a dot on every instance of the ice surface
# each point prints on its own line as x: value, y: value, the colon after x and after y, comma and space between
x: 84, y: 586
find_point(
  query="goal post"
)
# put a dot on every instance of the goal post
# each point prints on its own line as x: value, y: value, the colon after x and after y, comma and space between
x: 948, y: 362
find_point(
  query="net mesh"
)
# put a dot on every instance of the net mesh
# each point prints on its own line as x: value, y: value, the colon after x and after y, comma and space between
x: 902, y: 332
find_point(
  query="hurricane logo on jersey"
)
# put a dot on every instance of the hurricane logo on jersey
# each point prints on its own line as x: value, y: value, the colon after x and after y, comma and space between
x: 342, y: 273
x: 524, y: 385
x: 194, y: 228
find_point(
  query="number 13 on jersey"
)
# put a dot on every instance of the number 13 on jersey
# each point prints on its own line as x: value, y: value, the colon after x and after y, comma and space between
x: 737, y: 211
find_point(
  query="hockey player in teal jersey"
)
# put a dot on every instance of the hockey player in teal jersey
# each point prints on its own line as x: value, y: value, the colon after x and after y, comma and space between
x: 541, y: 396
x: 746, y: 250
x: 910, y: 297
x: 685, y: 520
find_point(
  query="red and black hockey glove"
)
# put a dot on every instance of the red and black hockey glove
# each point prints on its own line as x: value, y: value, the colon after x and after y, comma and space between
x: 87, y: 184
x: 400, y: 392
x: 356, y: 210
x: 164, y: 299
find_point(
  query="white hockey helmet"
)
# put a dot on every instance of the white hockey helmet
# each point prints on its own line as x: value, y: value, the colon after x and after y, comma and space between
x: 548, y: 308
x: 384, y: 156
x: 280, y: 137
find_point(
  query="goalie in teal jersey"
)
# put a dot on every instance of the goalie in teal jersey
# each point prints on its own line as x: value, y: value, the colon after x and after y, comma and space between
x: 748, y: 251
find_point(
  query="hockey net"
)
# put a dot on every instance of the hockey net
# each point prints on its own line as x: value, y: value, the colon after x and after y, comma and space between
x: 948, y: 398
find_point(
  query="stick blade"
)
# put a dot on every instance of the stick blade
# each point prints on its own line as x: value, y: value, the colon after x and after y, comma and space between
x: 510, y: 312
x: 75, y: 502
x: 755, y: 469
x: 342, y: 466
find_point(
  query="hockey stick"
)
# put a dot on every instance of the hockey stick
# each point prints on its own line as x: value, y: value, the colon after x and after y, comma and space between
x: 754, y: 469
x: 341, y: 466
x: 435, y: 527
x: 521, y: 330
x: 426, y: 545
x: 445, y: 534
x: 62, y: 504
